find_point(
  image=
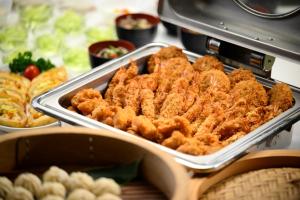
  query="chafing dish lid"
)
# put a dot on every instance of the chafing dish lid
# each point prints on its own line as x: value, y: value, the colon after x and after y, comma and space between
x: 271, y: 27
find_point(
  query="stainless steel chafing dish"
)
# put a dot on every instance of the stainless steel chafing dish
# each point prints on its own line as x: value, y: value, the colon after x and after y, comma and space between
x: 55, y: 103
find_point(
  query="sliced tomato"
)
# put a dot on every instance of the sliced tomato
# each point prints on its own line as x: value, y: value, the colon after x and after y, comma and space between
x: 31, y: 72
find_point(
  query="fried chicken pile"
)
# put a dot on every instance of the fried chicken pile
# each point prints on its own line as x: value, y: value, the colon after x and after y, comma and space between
x: 193, y: 108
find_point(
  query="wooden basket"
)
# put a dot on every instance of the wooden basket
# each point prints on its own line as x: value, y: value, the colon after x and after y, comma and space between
x: 81, y: 148
x: 272, y: 174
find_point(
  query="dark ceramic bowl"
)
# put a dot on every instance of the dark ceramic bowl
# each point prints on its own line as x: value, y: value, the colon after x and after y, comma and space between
x: 98, y: 46
x: 193, y: 41
x: 139, y: 37
x: 171, y: 28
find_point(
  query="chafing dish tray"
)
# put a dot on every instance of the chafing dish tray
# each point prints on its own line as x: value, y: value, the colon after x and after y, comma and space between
x: 55, y: 103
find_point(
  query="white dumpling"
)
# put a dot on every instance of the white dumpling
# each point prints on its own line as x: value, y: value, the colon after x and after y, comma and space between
x: 108, y: 196
x: 52, y: 188
x: 80, y: 180
x: 52, y: 197
x: 19, y: 193
x: 81, y: 194
x: 106, y: 185
x: 55, y: 174
x: 5, y: 187
x: 30, y: 182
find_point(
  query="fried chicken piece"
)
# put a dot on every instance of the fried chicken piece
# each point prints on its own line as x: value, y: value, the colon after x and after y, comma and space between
x: 207, y: 63
x: 149, y: 81
x: 252, y: 91
x: 118, y: 95
x: 123, y: 118
x: 193, y: 112
x: 105, y: 113
x: 175, y: 68
x: 208, y: 125
x: 184, y: 126
x: 231, y: 127
x: 147, y: 103
x: 132, y: 93
x: 281, y: 96
x: 192, y: 146
x: 233, y: 138
x: 163, y: 55
x: 161, y: 93
x: 189, y: 100
x: 172, y: 106
x: 165, y: 126
x: 84, y: 95
x: 119, y: 78
x: 214, y: 79
x: 239, y: 75
x: 144, y: 127
x: 176, y: 139
x: 261, y: 115
x: 87, y: 107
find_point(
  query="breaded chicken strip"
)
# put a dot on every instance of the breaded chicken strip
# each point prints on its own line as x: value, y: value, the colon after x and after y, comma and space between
x: 119, y: 78
x: 147, y: 103
x: 132, y: 95
x: 239, y: 75
x: 252, y: 91
x: 207, y: 63
x: 162, y: 55
x: 281, y: 96
x: 214, y: 79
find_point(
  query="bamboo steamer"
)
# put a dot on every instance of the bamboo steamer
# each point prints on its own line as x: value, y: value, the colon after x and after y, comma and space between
x: 271, y: 174
x: 81, y: 148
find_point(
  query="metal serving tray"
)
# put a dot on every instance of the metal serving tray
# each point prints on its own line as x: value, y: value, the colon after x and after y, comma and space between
x: 55, y: 102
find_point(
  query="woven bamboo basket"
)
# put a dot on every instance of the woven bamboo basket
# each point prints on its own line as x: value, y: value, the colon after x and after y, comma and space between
x: 82, y: 148
x: 266, y: 175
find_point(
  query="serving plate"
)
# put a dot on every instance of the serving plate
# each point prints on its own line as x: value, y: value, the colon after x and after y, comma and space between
x: 55, y: 103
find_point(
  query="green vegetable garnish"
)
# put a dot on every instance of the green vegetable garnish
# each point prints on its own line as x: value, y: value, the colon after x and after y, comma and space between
x: 48, y: 43
x: 69, y: 22
x: 100, y: 34
x: 13, y: 37
x: 19, y: 64
x: 36, y: 15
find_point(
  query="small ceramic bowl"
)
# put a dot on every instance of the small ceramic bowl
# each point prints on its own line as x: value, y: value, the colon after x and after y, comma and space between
x: 193, y: 41
x: 95, y: 48
x: 139, y: 37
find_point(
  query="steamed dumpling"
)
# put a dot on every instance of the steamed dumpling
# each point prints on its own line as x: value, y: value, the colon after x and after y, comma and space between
x: 29, y: 181
x: 106, y: 185
x: 52, y: 197
x: 55, y: 174
x: 108, y: 196
x: 80, y: 180
x: 81, y: 194
x: 19, y: 193
x: 52, y: 188
x: 5, y: 187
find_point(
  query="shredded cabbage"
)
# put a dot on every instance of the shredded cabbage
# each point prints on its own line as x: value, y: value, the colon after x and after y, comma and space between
x: 13, y: 37
x: 48, y: 43
x: 77, y: 59
x: 69, y: 22
x: 95, y: 34
x: 35, y: 15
